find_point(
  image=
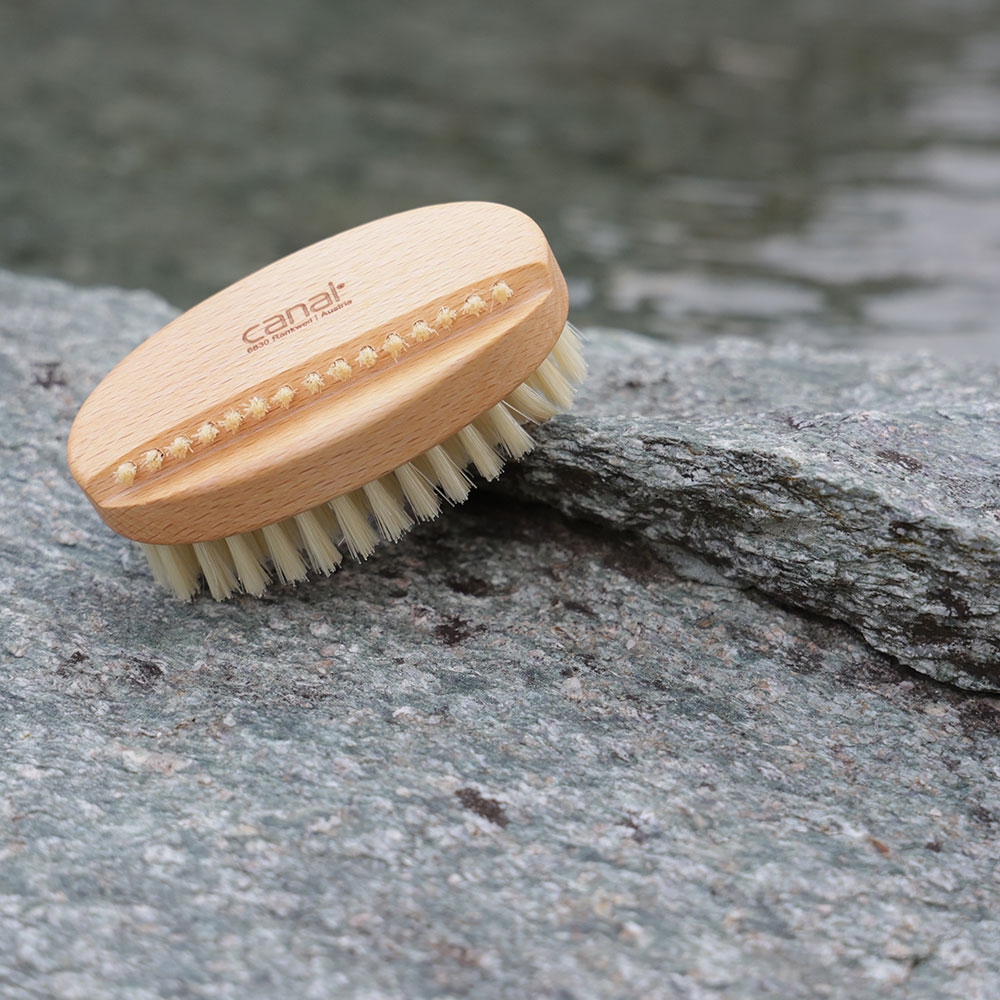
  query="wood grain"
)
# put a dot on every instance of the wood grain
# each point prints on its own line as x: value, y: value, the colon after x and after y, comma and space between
x: 275, y: 329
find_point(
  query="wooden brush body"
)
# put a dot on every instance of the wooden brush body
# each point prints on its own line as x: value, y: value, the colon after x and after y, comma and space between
x: 319, y: 373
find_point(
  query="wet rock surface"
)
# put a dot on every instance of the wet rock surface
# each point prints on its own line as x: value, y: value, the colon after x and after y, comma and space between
x: 516, y: 754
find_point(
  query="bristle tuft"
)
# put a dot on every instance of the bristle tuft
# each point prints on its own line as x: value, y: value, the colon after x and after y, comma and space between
x: 283, y: 397
x: 500, y: 426
x: 314, y: 382
x: 174, y: 567
x: 473, y: 306
x: 501, y: 293
x: 247, y: 559
x: 340, y: 370
x: 419, y: 493
x: 422, y: 332
x: 282, y: 546
x: 179, y: 447
x: 449, y: 474
x: 488, y: 463
x: 359, y: 536
x: 445, y: 317
x: 217, y: 567
x: 394, y: 346
x: 258, y: 408
x: 314, y: 529
x: 530, y: 404
x: 125, y: 473
x: 367, y: 357
x: 207, y: 433
x: 391, y: 518
x: 152, y: 460
x: 232, y: 420
x: 551, y: 383
x: 568, y: 356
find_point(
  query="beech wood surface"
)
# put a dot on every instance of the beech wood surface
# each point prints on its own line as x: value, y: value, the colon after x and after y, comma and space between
x: 386, y: 276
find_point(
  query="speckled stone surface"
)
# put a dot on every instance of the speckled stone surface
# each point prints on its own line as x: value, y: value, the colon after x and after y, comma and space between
x: 863, y: 489
x: 514, y: 755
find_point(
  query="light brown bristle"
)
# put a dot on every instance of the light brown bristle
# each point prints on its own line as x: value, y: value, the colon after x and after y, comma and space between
x: 125, y: 473
x: 394, y: 346
x: 340, y: 370
x: 501, y: 293
x: 283, y: 397
x: 367, y: 357
x: 258, y: 408
x: 232, y: 420
x: 152, y: 460
x: 207, y: 433
x: 473, y: 306
x: 446, y: 317
x: 352, y: 515
x: 422, y: 331
x: 248, y: 561
x: 314, y: 382
x: 179, y: 447
x: 282, y: 547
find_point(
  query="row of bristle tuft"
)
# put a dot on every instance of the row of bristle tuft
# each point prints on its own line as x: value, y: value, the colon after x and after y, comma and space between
x: 383, y: 509
x: 340, y: 370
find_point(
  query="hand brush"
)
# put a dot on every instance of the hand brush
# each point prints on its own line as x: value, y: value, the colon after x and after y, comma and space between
x: 331, y: 399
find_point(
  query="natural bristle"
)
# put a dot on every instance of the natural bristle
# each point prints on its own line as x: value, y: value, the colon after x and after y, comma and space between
x: 340, y: 370
x: 501, y: 293
x: 258, y: 408
x: 207, y: 433
x: 394, y: 346
x: 232, y: 420
x: 179, y: 447
x: 384, y: 508
x: 283, y: 397
x: 282, y: 546
x: 473, y: 306
x: 421, y: 332
x: 125, y: 473
x: 446, y: 317
x: 152, y: 460
x: 352, y: 515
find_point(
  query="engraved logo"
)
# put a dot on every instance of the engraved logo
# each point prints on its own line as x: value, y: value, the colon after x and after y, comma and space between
x: 295, y: 316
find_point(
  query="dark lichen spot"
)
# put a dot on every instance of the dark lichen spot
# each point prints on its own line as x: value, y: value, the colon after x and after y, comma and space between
x: 910, y: 464
x: 982, y: 814
x: 47, y: 375
x: 75, y: 658
x: 630, y: 821
x: 979, y: 716
x: 933, y: 845
x: 489, y: 809
x: 958, y: 607
x: 456, y: 630
x: 471, y: 586
x: 143, y: 673
x: 579, y: 607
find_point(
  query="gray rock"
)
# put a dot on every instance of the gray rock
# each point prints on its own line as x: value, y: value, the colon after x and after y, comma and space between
x: 514, y: 755
x: 864, y: 490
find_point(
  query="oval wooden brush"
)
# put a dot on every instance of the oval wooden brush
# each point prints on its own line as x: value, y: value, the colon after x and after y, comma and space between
x: 330, y: 399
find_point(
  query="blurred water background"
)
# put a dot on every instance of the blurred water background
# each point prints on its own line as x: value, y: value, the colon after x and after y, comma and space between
x: 827, y: 170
